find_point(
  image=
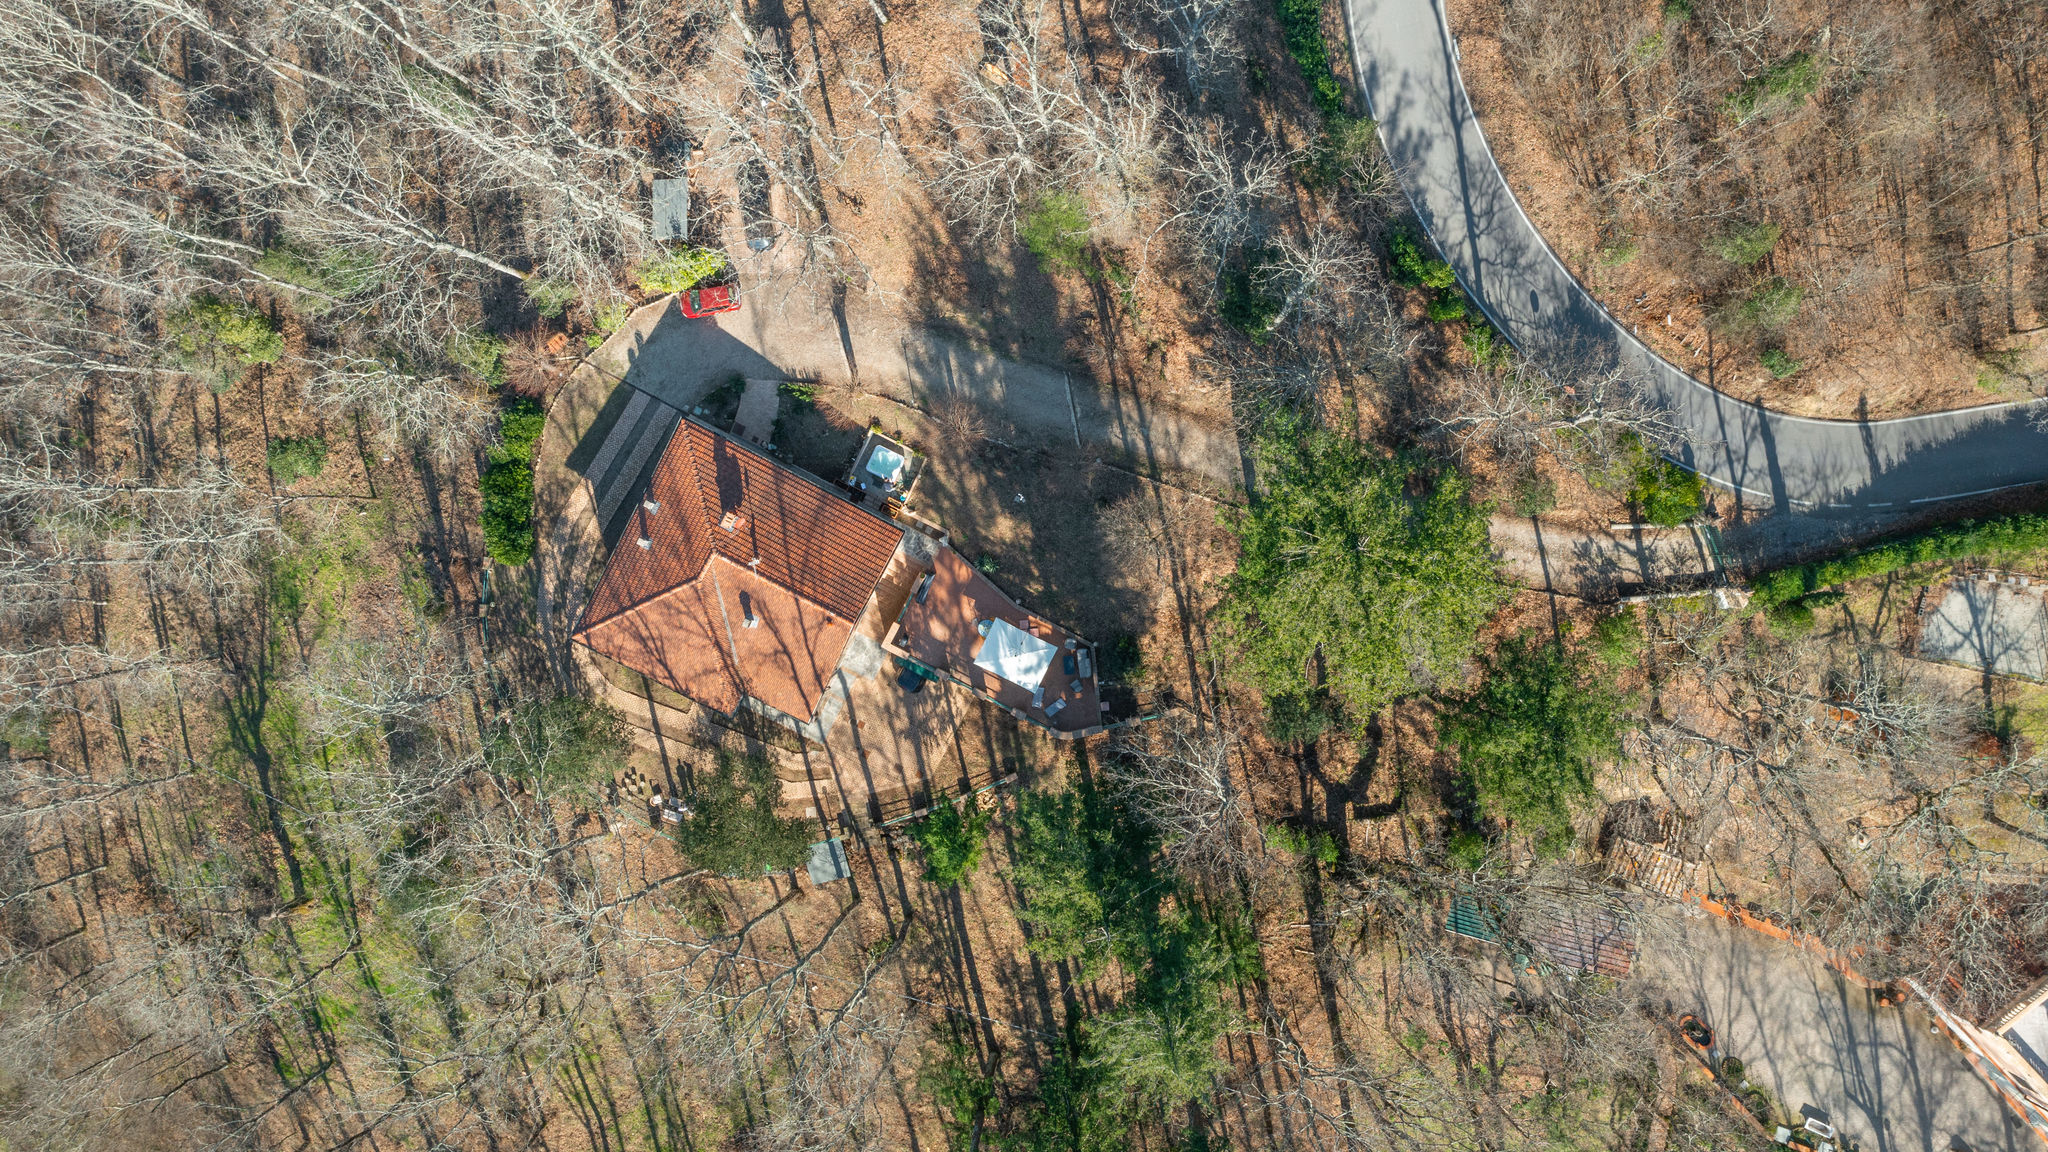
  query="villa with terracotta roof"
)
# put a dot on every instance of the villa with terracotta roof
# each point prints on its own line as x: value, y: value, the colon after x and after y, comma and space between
x: 741, y: 582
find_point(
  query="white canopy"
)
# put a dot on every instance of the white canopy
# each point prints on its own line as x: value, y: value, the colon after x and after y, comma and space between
x: 1015, y: 655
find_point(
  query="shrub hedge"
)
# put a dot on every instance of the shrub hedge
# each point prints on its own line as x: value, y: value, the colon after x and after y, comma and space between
x: 1301, y: 26
x: 680, y: 269
x: 2004, y: 535
x: 507, y: 484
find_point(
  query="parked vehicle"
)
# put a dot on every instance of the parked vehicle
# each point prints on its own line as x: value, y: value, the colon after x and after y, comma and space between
x: 709, y: 300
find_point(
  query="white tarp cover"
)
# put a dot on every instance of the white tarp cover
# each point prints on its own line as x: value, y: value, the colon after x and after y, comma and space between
x: 1015, y: 655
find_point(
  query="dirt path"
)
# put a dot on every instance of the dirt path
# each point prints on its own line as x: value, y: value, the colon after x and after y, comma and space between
x: 1595, y: 565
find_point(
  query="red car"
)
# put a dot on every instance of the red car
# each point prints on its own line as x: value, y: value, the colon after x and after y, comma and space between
x: 710, y: 300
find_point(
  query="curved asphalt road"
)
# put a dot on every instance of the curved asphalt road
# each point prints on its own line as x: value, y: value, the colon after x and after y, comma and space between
x: 1409, y: 71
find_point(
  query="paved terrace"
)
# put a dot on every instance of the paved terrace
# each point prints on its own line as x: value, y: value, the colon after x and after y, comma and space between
x: 941, y: 631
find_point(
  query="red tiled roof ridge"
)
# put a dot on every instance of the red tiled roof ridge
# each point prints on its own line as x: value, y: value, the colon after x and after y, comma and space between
x: 799, y: 558
x: 830, y: 612
x: 588, y: 626
x: 797, y: 537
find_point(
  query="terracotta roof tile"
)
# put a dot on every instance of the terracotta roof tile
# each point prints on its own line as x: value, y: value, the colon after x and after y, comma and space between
x: 807, y: 557
x: 786, y: 657
x: 676, y: 639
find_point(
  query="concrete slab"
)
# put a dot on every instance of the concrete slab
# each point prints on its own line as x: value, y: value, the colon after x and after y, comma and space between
x: 2029, y: 1036
x: 1997, y: 625
x: 1888, y: 1080
x: 828, y: 862
x: 671, y: 211
x: 759, y: 405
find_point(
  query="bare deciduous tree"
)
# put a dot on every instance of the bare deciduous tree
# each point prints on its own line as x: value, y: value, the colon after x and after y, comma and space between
x: 439, y: 412
x: 1223, y: 188
x: 1029, y: 121
x: 1176, y: 775
x: 1201, y: 36
x: 1586, y: 417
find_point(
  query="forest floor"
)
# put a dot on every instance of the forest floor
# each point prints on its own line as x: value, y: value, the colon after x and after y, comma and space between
x: 1871, y: 342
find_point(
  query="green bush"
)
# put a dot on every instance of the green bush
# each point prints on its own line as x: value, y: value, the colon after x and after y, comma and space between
x: 1466, y: 851
x: 799, y: 391
x: 1243, y: 301
x: 680, y: 269
x: 519, y: 427
x: 1666, y: 493
x: 952, y: 841
x: 1301, y: 28
x: 2003, y: 536
x: 1782, y: 85
x: 1745, y: 244
x: 733, y: 827
x: 1619, y: 637
x: 1415, y: 267
x: 1348, y: 147
x: 318, y: 274
x: 550, y: 298
x: 608, y: 318
x: 225, y: 336
x: 1488, y: 347
x: 1448, y: 308
x: 296, y: 458
x: 1793, y: 619
x: 1533, y: 494
x: 482, y: 353
x: 24, y: 734
x: 507, y: 490
x: 1779, y: 364
x: 507, y: 484
x: 1054, y: 226
x: 1772, y: 304
x: 1678, y: 10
